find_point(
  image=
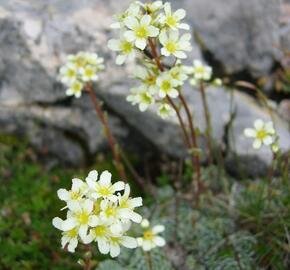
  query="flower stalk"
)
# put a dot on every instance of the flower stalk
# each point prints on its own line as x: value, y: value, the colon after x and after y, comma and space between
x: 111, y: 140
x: 208, y: 122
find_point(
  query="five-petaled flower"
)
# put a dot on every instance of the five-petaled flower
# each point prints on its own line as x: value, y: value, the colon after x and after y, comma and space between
x: 140, y: 30
x: 151, y: 238
x: 262, y: 133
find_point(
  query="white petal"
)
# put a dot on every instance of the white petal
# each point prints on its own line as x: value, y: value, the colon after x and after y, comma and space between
x: 103, y: 246
x: 131, y: 22
x: 268, y: 140
x: 136, y: 202
x: 120, y: 59
x: 180, y: 14
x: 74, y: 206
x: 130, y: 36
x: 72, y: 245
x: 184, y: 26
x: 145, y: 223
x: 180, y: 55
x: 69, y: 224
x: 147, y: 245
x: 120, y: 185
x: 83, y: 231
x: 76, y: 184
x: 114, y: 250
x: 63, y: 194
x: 258, y: 124
x: 153, y: 31
x: 158, y: 229
x: 257, y: 144
x: 129, y: 242
x: 173, y: 93
x: 91, y: 183
x: 159, y: 241
x: 163, y: 38
x: 249, y: 132
x: 140, y: 43
x: 93, y: 221
x: 93, y: 175
x: 57, y: 223
x: 114, y: 44
x: 88, y: 206
x: 105, y: 178
x: 146, y: 19
x: 135, y: 217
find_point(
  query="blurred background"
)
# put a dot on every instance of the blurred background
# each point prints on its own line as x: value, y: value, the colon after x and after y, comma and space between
x: 47, y: 137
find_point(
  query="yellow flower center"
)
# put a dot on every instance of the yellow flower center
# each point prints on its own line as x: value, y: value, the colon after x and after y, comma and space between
x: 76, y: 87
x: 150, y: 80
x: 72, y: 233
x: 200, y: 70
x: 104, y: 191
x: 71, y: 73
x: 148, y: 235
x: 75, y: 195
x: 171, y: 21
x: 126, y: 47
x: 123, y: 204
x: 145, y: 98
x: 141, y: 32
x: 83, y: 218
x: 166, y: 85
x: 89, y: 72
x: 100, y: 231
x: 171, y: 47
x: 110, y: 212
x: 261, y: 134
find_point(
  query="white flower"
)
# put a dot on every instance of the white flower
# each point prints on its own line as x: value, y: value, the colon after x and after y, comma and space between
x: 200, y: 71
x: 75, y: 89
x: 100, y: 234
x: 173, y: 20
x: 96, y: 213
x: 80, y: 69
x: 77, y: 192
x: 167, y: 86
x: 179, y: 73
x: 80, y: 216
x: 140, y: 30
x: 150, y: 238
x: 152, y: 7
x: 125, y: 48
x: 263, y: 133
x: 217, y: 82
x: 68, y: 74
x: 173, y: 45
x: 142, y: 97
x: 69, y: 238
x: 123, y: 240
x: 148, y: 78
x: 104, y: 187
x: 165, y: 110
x: 88, y: 73
x: 129, y: 204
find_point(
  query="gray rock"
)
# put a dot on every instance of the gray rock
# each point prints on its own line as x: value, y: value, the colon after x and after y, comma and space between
x: 36, y: 36
x: 241, y: 35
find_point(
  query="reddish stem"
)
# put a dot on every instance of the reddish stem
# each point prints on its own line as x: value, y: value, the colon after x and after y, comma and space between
x: 113, y: 145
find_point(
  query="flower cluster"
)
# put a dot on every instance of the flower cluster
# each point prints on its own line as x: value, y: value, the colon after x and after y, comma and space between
x: 79, y: 70
x: 144, y: 28
x: 262, y: 133
x: 150, y: 238
x: 98, y: 212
